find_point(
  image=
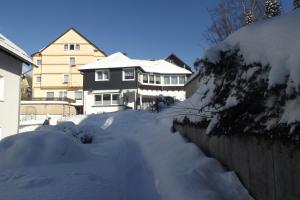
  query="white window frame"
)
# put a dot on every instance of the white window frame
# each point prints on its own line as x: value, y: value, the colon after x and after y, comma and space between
x: 102, y: 101
x: 2, y: 88
x: 155, y: 81
x: 73, y: 45
x: 66, y: 45
x: 179, y: 79
x: 39, y: 62
x: 48, y: 93
x: 64, y: 80
x: 81, y: 95
x: 63, y: 94
x: 38, y: 77
x: 143, y: 78
x: 103, y: 70
x: 72, y: 57
x: 77, y: 47
x: 123, y: 76
x: 169, y: 79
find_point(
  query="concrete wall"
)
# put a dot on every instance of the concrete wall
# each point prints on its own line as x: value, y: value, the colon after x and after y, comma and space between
x: 32, y: 108
x: 270, y: 170
x: 10, y: 71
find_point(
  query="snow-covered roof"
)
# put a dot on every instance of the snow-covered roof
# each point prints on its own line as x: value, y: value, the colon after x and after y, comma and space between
x: 119, y: 60
x: 12, y: 48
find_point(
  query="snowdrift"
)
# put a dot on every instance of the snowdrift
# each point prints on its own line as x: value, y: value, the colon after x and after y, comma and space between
x: 40, y: 148
x: 250, y: 82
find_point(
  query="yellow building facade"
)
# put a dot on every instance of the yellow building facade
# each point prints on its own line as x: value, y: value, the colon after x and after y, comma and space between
x: 57, y: 75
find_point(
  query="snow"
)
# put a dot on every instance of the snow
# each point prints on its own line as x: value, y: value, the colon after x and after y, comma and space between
x: 119, y: 60
x: 13, y: 48
x: 291, y: 111
x: 273, y: 41
x: 134, y: 155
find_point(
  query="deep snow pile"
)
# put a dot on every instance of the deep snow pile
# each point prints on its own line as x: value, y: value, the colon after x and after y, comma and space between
x: 250, y: 82
x: 134, y: 155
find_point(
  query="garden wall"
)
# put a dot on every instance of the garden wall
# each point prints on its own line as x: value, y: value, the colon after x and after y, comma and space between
x: 270, y: 170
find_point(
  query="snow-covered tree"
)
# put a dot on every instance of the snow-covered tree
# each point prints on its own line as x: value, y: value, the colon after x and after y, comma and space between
x: 249, y: 17
x: 296, y: 4
x: 272, y: 8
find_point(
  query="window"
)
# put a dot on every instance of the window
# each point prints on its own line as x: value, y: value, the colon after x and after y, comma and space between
x: 78, y: 95
x: 174, y: 80
x: 71, y: 47
x: 39, y: 62
x: 50, y: 94
x: 66, y: 78
x: 1, y: 88
x: 181, y: 80
x: 102, y: 75
x: 145, y: 78
x: 167, y: 80
x: 128, y: 74
x: 72, y: 60
x: 115, y: 98
x: 157, y: 79
x: 38, y: 79
x: 151, y: 79
x: 98, y: 99
x: 106, y: 99
x: 63, y: 94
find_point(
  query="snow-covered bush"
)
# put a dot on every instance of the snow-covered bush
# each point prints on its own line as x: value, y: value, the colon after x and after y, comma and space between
x: 250, y: 83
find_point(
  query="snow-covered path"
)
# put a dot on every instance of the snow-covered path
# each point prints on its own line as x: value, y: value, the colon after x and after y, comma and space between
x: 133, y: 156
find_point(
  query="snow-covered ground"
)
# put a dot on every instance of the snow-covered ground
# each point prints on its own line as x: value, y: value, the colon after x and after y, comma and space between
x: 134, y: 155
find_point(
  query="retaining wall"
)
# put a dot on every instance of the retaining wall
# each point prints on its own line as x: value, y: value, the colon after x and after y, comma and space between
x: 270, y: 170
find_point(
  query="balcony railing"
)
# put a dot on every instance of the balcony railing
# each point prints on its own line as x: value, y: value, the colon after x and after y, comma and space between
x: 54, y: 99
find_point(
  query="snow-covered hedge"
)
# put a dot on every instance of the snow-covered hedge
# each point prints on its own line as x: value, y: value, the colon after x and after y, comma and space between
x: 250, y: 83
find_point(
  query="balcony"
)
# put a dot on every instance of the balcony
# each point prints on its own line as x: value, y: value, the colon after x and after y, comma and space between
x: 54, y: 99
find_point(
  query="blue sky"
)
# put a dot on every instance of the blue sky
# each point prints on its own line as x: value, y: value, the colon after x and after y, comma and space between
x: 148, y: 29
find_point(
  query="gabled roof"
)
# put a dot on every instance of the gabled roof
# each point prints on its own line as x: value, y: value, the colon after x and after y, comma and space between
x: 41, y: 50
x: 178, y: 61
x: 13, y: 49
x: 119, y: 60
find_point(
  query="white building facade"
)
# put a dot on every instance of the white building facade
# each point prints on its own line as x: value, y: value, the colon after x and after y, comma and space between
x: 11, y: 61
x: 118, y: 82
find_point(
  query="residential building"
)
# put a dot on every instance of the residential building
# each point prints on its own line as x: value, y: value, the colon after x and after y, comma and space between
x: 57, y: 76
x: 173, y: 58
x: 11, y: 61
x: 191, y: 84
x: 118, y: 82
